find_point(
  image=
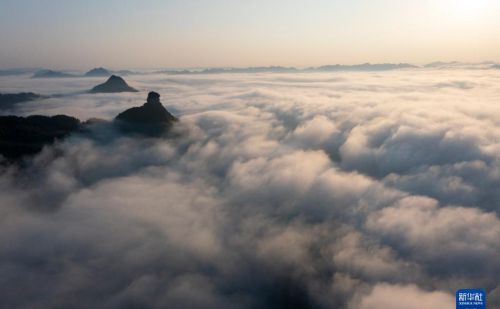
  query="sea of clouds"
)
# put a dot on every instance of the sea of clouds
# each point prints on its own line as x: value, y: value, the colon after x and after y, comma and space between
x: 309, y: 190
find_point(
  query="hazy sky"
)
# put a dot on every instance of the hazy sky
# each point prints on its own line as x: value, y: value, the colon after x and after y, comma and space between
x: 173, y: 33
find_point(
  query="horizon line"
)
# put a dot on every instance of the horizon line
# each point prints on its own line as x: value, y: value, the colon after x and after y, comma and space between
x: 29, y: 69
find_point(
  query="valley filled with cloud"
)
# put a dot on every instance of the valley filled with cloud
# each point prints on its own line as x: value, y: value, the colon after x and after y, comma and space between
x: 280, y: 190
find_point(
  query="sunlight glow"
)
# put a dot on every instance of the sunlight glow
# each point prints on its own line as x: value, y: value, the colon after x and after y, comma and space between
x: 468, y: 8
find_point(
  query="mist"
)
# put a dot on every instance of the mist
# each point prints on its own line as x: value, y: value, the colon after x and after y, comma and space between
x: 290, y: 190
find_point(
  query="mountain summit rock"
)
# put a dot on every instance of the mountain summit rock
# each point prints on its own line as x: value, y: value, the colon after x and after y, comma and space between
x: 152, y: 118
x: 113, y: 84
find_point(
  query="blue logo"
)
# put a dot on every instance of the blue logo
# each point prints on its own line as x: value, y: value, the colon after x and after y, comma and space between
x: 471, y: 299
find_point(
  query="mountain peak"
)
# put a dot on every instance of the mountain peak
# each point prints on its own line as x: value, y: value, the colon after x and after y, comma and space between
x: 113, y: 84
x: 153, y: 98
x: 152, y: 118
x: 98, y: 72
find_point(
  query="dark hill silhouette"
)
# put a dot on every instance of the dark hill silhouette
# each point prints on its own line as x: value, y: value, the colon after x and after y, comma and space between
x: 50, y: 74
x: 98, y: 72
x: 21, y: 136
x: 152, y: 118
x: 113, y: 84
x: 9, y: 100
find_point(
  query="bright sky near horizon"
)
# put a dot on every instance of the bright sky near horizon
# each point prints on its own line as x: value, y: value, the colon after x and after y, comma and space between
x: 63, y: 34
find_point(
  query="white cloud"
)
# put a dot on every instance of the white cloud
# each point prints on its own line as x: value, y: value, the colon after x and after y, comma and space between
x: 411, y: 297
x: 326, y: 190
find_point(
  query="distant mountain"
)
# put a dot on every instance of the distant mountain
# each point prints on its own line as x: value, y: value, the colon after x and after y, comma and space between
x: 486, y: 65
x: 98, y: 72
x: 9, y: 72
x: 21, y: 136
x: 441, y: 64
x: 152, y: 118
x: 8, y: 100
x: 271, y: 69
x: 51, y: 74
x: 112, y: 85
x: 363, y: 67
x: 280, y: 69
x: 124, y: 72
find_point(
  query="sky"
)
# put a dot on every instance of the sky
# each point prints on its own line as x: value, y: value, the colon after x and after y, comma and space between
x: 201, y: 33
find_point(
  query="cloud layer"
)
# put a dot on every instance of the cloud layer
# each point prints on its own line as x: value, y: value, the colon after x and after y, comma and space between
x: 345, y: 190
